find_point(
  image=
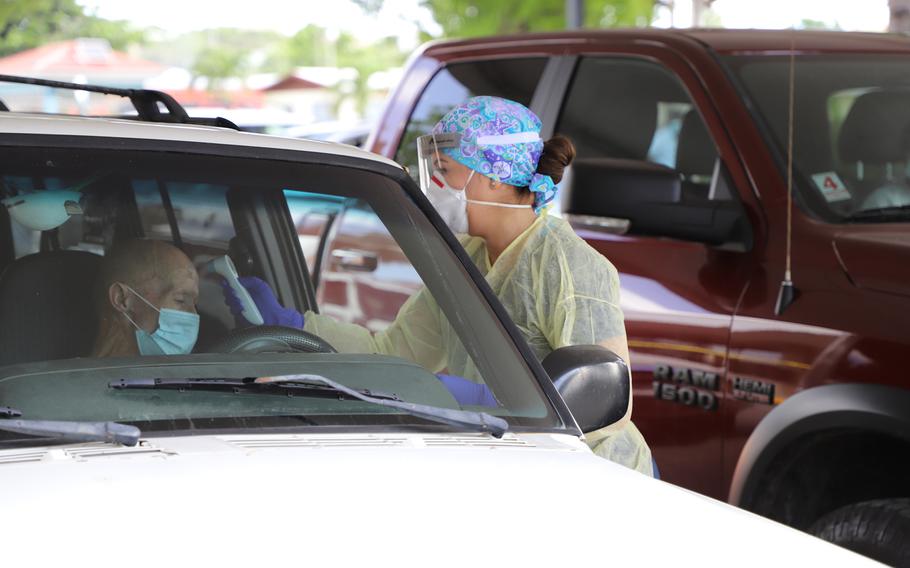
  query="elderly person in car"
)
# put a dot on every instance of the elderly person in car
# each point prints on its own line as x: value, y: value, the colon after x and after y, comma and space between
x: 146, y: 295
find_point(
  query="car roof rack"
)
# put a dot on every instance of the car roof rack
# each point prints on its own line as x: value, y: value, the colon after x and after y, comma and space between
x: 145, y: 101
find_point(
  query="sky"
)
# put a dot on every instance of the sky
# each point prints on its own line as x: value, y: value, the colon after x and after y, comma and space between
x: 399, y: 17
x: 396, y: 18
x: 849, y: 15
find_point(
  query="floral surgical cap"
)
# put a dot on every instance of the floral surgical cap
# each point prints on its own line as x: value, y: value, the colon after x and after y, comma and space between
x: 501, y: 140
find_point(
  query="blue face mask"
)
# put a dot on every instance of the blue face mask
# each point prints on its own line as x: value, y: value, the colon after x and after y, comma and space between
x: 176, y: 334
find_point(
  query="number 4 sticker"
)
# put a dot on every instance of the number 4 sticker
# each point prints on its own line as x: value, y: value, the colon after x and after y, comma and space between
x: 831, y: 186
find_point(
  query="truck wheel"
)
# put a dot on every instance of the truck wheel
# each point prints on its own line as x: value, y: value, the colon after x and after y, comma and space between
x: 877, y: 529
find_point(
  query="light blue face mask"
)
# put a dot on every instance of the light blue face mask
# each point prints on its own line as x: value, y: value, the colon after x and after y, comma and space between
x: 176, y: 334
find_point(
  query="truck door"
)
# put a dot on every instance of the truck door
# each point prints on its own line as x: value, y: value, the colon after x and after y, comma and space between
x: 637, y: 117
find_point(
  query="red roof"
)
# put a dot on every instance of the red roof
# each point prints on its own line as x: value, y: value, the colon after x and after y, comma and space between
x: 293, y: 83
x: 77, y: 57
x: 196, y: 97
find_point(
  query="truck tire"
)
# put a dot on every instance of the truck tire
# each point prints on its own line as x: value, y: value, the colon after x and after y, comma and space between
x: 877, y: 529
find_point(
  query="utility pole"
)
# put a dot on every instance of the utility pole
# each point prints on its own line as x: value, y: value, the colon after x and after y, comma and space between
x: 699, y: 7
x: 670, y: 5
x: 575, y: 11
x: 900, y: 16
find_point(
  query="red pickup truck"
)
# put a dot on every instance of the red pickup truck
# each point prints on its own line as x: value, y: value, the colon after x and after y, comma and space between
x: 681, y: 182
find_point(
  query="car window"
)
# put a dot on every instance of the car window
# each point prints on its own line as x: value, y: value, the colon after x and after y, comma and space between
x: 515, y: 79
x: 360, y: 273
x: 851, y: 154
x: 636, y: 110
x: 195, y: 215
x: 357, y: 235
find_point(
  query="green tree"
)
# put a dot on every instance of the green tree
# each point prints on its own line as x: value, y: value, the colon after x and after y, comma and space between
x: 309, y: 46
x: 219, y: 53
x: 367, y: 59
x: 467, y: 18
x: 25, y: 24
x: 217, y: 64
x: 809, y: 24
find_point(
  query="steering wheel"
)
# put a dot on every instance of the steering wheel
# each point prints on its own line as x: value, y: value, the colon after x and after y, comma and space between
x: 271, y: 339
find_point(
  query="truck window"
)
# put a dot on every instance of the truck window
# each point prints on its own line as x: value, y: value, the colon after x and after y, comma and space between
x: 851, y: 156
x: 636, y: 110
x: 514, y: 79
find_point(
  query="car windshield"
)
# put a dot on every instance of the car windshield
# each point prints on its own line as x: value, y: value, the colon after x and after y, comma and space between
x: 851, y: 143
x: 329, y: 255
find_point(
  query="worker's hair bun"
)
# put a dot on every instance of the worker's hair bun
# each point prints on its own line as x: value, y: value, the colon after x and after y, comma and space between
x: 558, y: 153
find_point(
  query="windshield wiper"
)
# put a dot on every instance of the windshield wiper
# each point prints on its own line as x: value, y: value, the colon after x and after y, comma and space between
x: 310, y: 384
x: 282, y: 386
x: 111, y: 432
x: 884, y: 214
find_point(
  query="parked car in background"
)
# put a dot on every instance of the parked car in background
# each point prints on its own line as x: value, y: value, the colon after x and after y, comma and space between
x: 345, y: 132
x: 804, y: 415
x: 266, y: 446
x: 254, y: 119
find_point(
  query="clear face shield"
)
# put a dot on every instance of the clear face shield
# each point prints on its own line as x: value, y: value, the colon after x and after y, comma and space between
x: 429, y: 155
x: 49, y: 208
x: 44, y: 210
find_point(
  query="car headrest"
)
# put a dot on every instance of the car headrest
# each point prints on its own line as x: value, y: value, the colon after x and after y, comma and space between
x: 695, y: 152
x: 607, y: 119
x: 46, y: 308
x: 877, y: 128
x: 627, y: 128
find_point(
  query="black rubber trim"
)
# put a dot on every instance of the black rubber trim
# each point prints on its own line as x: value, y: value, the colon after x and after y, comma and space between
x: 384, y: 424
x: 394, y: 172
x: 872, y: 408
x: 551, y: 91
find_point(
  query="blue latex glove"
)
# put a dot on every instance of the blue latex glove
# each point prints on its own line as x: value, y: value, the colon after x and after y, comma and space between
x: 468, y: 393
x: 272, y: 312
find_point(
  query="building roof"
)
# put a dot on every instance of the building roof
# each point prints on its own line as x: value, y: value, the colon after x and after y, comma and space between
x: 200, y: 97
x: 87, y: 57
x: 293, y: 83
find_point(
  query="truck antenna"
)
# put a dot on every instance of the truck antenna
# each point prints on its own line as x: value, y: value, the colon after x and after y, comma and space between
x: 787, y: 292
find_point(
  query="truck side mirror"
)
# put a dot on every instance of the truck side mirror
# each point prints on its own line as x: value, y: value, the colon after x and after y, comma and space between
x: 642, y: 198
x: 594, y: 382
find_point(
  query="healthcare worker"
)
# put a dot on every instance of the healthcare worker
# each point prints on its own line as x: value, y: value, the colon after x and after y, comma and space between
x: 491, y: 177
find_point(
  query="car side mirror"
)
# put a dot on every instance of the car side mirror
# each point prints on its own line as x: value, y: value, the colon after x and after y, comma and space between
x: 351, y: 260
x: 594, y: 382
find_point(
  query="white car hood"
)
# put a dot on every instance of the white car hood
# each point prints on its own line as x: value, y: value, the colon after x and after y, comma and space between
x: 342, y: 500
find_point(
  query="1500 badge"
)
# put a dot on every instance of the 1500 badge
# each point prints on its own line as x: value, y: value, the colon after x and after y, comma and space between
x: 686, y: 386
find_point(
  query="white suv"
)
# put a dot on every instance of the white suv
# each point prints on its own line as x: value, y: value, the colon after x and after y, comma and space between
x: 342, y: 458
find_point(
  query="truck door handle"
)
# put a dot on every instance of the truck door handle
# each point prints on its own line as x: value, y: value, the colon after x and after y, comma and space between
x: 355, y: 260
x: 613, y: 225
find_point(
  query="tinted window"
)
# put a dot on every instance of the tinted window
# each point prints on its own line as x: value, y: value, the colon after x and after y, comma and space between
x: 851, y: 124
x: 514, y: 79
x: 70, y: 306
x: 636, y: 110
x: 645, y: 159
